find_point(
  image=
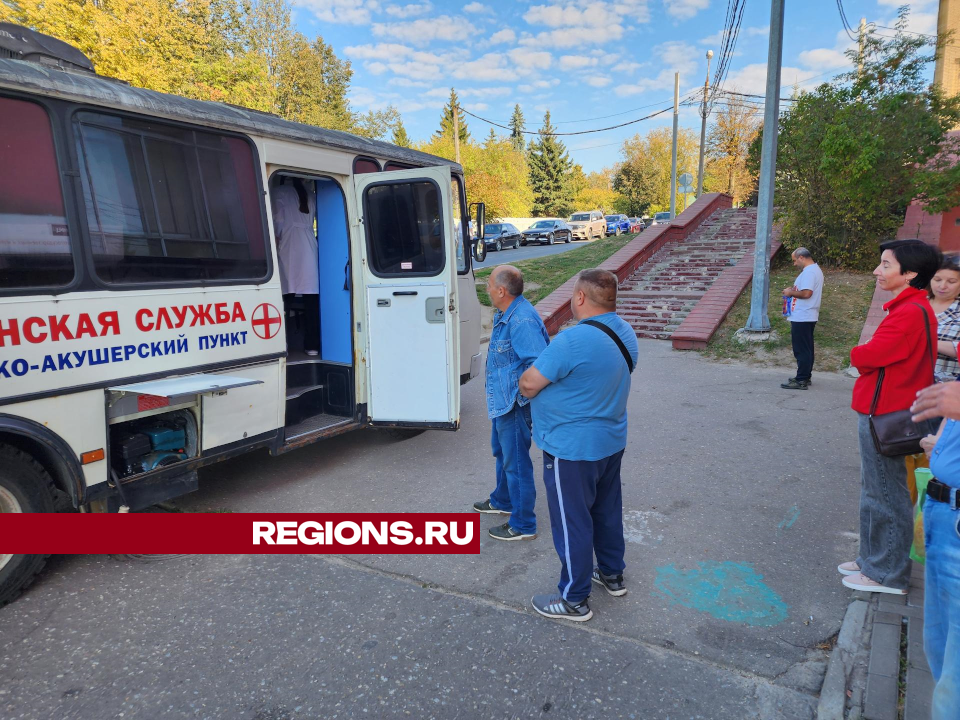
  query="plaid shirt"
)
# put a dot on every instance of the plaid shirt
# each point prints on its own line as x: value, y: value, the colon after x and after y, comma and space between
x: 948, y: 329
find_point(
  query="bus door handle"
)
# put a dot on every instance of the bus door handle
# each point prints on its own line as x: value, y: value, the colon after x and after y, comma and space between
x: 404, y: 292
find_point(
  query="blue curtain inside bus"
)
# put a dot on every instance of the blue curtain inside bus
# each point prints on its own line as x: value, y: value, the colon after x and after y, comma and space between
x: 335, y: 317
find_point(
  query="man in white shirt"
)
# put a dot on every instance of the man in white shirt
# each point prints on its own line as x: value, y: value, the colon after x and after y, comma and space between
x: 804, y: 312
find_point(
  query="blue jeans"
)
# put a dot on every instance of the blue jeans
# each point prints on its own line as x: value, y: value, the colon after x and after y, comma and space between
x: 515, y: 491
x: 941, y: 607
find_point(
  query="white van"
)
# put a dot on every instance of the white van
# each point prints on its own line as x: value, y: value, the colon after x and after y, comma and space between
x: 143, y: 331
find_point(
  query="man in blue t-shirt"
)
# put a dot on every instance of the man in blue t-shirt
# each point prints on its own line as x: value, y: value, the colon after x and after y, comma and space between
x: 579, y: 385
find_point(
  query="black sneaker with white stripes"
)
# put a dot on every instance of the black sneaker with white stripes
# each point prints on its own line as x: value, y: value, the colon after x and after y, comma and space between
x: 613, y: 584
x: 484, y: 506
x: 505, y: 532
x: 554, y: 606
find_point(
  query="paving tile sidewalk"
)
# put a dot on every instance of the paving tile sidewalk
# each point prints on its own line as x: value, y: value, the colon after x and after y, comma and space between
x: 897, y: 676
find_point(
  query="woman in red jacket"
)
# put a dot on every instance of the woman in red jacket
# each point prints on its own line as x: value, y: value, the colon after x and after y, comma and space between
x: 900, y: 345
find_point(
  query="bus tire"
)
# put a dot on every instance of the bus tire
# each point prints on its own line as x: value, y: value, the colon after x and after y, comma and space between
x: 24, y: 487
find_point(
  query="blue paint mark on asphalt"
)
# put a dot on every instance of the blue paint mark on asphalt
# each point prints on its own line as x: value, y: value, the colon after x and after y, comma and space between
x: 726, y: 590
x: 790, y: 519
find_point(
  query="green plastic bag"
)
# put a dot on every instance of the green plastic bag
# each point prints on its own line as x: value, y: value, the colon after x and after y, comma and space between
x: 918, y: 551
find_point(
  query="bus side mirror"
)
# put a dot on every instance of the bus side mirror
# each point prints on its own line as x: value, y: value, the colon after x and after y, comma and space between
x: 480, y: 247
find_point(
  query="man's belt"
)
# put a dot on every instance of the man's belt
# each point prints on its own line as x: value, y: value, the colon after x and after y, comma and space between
x: 942, y: 493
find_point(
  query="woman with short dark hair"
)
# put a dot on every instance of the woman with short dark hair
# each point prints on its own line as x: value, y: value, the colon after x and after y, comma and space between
x: 944, y: 295
x: 904, y: 347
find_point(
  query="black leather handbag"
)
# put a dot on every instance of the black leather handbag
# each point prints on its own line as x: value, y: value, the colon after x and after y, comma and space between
x: 895, y: 434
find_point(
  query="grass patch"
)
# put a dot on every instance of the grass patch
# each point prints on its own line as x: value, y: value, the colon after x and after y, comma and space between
x: 843, y: 310
x: 552, y: 271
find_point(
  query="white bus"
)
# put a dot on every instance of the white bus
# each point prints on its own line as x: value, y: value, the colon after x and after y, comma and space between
x: 143, y: 331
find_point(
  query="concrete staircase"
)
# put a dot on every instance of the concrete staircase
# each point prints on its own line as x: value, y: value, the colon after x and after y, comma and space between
x: 661, y: 293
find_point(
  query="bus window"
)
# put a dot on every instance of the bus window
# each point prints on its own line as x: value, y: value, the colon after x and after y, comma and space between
x: 169, y: 204
x: 404, y: 228
x: 34, y: 240
x: 365, y: 165
x: 461, y: 225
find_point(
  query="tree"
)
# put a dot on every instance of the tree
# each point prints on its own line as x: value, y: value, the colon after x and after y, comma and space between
x: 734, y: 128
x: 857, y: 150
x: 642, y: 178
x: 400, y: 137
x: 312, y: 84
x: 446, y: 120
x: 550, y: 173
x: 244, y: 52
x: 598, y: 193
x: 376, y: 124
x: 517, y: 126
x: 495, y: 174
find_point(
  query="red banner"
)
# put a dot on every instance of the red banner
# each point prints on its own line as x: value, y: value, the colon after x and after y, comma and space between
x: 239, y: 533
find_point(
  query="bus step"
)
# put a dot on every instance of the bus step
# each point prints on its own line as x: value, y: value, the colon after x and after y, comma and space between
x: 295, y: 391
x: 303, y: 402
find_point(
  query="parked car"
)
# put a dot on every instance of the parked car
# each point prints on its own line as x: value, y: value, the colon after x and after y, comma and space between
x: 661, y: 218
x: 588, y: 225
x: 501, y: 235
x: 617, y: 224
x: 636, y: 224
x: 547, y: 232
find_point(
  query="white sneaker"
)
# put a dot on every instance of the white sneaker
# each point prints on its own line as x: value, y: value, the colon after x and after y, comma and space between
x: 848, y: 568
x: 864, y: 584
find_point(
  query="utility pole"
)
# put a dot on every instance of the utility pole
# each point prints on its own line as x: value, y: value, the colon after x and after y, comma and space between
x: 758, y: 322
x: 456, y: 131
x: 673, y: 165
x: 703, y: 125
x: 861, y: 37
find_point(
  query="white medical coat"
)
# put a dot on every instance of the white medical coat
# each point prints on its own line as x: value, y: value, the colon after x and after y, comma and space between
x: 296, y: 242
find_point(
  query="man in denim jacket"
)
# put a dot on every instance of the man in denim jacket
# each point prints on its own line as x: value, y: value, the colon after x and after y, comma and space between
x: 519, y: 336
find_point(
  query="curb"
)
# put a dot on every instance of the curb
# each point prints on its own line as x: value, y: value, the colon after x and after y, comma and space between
x: 833, y: 694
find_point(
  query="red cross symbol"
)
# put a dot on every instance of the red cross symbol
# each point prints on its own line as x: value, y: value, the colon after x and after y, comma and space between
x: 265, y: 317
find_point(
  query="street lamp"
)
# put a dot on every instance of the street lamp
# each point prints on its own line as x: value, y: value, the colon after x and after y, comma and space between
x: 703, y: 125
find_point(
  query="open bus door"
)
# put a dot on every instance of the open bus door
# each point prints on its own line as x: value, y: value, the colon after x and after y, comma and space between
x: 410, y: 278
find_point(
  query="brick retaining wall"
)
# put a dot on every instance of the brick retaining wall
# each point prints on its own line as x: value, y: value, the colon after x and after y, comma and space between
x: 555, y: 308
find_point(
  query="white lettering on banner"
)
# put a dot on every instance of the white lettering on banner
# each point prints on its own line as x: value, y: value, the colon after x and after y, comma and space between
x: 347, y: 532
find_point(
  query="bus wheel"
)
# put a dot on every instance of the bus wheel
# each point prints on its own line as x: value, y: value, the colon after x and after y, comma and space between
x: 24, y: 487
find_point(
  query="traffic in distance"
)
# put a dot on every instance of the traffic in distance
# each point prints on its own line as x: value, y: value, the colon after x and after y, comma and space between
x: 591, y: 225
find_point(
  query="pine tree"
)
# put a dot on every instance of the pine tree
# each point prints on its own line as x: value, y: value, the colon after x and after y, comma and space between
x: 400, y: 137
x: 491, y: 140
x: 549, y: 173
x: 517, y: 125
x: 446, y: 121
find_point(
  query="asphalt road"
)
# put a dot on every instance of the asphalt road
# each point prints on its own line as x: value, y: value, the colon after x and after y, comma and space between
x: 739, y: 500
x: 509, y: 255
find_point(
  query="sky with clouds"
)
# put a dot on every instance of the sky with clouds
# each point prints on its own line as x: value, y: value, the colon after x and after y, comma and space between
x: 592, y: 63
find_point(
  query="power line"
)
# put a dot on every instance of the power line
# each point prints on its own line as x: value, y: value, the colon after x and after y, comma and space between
x: 593, y: 147
x: 748, y: 95
x: 579, y: 132
x: 846, y: 24
x: 731, y: 33
x: 601, y: 117
x: 604, y: 117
